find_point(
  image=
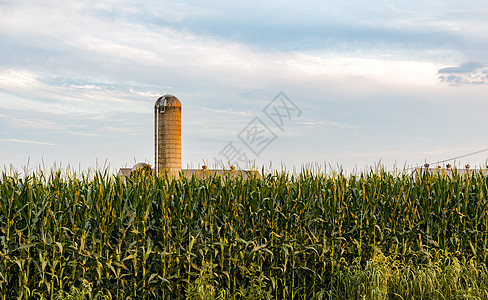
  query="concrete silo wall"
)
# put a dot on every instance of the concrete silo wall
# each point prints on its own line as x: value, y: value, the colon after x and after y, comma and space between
x: 167, y: 119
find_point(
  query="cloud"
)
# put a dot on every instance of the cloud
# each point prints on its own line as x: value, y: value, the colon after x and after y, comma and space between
x: 327, y: 123
x: 27, y: 142
x: 202, y: 39
x: 351, y: 26
x: 464, y: 68
x: 466, y: 73
x: 81, y: 133
x: 48, y: 93
x: 18, y: 78
x: 118, y: 129
x: 67, y: 127
x: 230, y: 111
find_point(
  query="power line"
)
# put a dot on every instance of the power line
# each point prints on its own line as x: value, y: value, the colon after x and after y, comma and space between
x: 461, y: 156
x: 454, y: 158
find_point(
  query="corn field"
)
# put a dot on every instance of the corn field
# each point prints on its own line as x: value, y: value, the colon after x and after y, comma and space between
x: 375, y: 235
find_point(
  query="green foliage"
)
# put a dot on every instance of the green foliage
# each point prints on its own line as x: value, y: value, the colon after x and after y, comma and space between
x: 203, y: 288
x: 85, y: 293
x: 373, y: 235
x: 443, y: 277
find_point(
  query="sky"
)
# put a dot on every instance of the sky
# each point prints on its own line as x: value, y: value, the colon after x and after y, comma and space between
x: 283, y: 84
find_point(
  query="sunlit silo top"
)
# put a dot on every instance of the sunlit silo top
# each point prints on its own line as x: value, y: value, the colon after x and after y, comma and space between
x: 168, y: 101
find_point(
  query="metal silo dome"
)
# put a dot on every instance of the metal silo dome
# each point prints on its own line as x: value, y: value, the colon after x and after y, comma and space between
x: 168, y: 101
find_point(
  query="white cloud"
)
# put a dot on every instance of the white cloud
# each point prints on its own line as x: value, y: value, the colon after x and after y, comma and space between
x: 115, y: 49
x: 230, y: 111
x: 27, y: 142
x: 419, y: 72
x: 36, y: 123
x: 118, y: 129
x: 25, y: 90
x: 15, y: 78
x: 104, y: 43
x: 466, y: 73
x: 326, y: 123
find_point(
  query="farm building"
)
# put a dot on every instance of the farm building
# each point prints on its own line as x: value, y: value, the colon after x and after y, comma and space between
x: 167, y: 145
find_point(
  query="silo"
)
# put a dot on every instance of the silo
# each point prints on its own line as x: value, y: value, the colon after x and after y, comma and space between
x: 167, y: 131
